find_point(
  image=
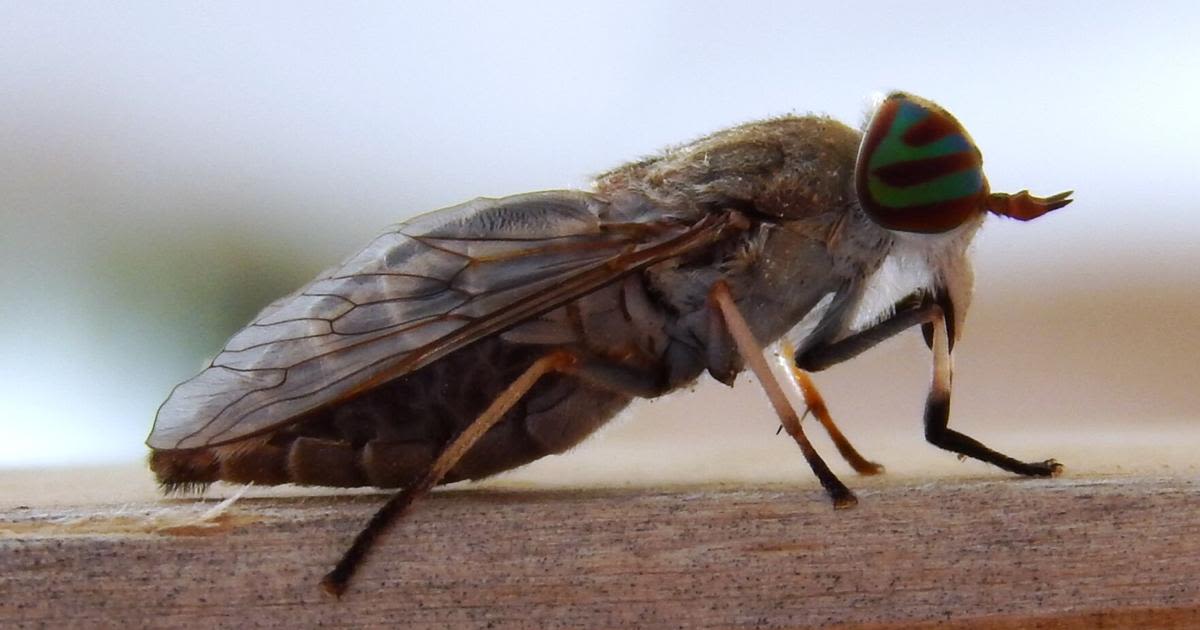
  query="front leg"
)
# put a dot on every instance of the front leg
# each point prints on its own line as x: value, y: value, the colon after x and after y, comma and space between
x: 909, y: 312
x: 929, y: 313
x: 937, y: 416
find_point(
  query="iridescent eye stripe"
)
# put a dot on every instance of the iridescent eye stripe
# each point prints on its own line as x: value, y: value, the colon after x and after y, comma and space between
x: 913, y: 172
x: 929, y: 129
x: 918, y: 170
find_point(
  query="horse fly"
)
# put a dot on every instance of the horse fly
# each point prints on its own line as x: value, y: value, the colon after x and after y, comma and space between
x: 478, y: 338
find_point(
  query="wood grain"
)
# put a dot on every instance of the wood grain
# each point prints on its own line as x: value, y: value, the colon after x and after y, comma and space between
x: 994, y: 553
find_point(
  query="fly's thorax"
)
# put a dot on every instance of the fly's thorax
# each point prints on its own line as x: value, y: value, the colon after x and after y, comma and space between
x: 788, y: 168
x: 857, y: 247
x: 793, y: 176
x: 792, y: 265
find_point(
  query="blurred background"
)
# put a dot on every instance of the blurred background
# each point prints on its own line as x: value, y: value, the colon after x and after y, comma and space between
x: 166, y: 169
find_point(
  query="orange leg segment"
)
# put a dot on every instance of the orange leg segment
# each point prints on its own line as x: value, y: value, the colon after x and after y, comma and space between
x: 816, y: 404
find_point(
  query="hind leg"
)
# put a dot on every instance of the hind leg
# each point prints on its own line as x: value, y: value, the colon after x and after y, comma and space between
x: 335, y: 581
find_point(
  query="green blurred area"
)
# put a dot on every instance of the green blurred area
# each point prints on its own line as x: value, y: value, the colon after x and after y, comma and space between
x: 114, y: 316
x: 191, y: 291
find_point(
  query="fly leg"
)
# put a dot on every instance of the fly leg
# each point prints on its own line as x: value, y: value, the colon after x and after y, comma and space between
x: 816, y: 404
x: 752, y: 354
x: 335, y: 581
x: 931, y: 315
x: 909, y: 312
x: 937, y: 417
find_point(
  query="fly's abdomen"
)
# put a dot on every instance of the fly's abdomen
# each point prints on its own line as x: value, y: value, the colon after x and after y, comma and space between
x: 389, y: 435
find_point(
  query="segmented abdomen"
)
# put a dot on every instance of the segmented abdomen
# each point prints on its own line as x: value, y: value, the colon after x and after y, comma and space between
x: 392, y: 433
x: 388, y: 435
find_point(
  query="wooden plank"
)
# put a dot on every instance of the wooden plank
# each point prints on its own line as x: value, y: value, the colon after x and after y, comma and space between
x: 998, y: 553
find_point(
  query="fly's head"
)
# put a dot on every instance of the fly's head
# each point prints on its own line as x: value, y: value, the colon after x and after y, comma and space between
x: 919, y: 171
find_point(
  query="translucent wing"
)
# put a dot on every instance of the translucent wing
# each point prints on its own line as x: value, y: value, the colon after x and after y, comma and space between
x: 418, y: 291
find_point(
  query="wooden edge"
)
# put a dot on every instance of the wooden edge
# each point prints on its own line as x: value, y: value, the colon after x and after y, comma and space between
x: 1003, y: 553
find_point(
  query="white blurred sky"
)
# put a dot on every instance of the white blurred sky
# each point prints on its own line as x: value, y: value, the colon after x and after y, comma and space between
x: 312, y: 125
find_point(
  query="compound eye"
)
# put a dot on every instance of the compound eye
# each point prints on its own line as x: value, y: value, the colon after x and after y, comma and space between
x: 918, y: 170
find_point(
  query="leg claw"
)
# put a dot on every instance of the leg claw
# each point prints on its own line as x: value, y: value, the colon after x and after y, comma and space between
x: 1053, y: 468
x: 1048, y: 468
x: 868, y: 469
x: 845, y: 501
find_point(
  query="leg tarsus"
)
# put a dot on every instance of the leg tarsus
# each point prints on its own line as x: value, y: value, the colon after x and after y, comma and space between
x: 966, y: 446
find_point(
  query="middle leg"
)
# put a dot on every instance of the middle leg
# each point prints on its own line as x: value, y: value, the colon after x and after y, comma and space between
x: 816, y: 404
x: 752, y: 354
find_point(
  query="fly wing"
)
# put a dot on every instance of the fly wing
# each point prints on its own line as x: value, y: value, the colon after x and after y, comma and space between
x: 417, y: 292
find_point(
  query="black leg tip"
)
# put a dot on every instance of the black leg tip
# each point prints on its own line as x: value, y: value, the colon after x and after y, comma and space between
x: 1053, y: 467
x: 1048, y: 468
x: 333, y: 584
x: 844, y: 500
